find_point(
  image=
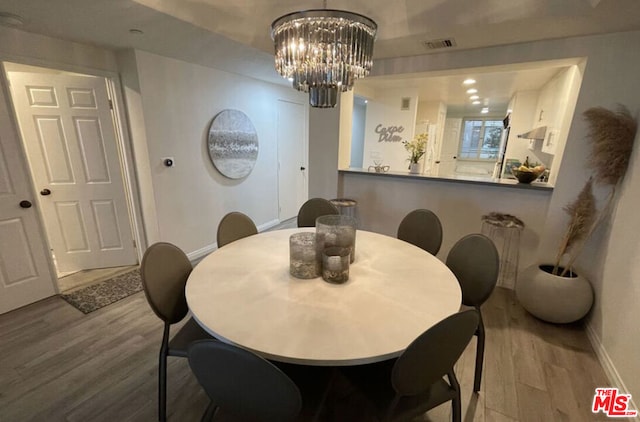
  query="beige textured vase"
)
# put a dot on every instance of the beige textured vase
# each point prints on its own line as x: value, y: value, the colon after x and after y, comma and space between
x: 553, y: 298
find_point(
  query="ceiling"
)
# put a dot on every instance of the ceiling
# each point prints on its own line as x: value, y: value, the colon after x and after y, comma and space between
x: 235, y: 35
x: 494, y: 85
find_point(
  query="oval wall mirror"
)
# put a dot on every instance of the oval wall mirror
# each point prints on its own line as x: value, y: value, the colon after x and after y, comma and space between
x: 233, y: 144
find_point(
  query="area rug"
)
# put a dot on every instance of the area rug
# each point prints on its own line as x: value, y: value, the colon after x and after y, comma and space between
x: 99, y: 295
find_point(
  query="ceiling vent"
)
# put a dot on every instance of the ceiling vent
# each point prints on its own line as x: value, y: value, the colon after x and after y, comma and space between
x: 441, y: 43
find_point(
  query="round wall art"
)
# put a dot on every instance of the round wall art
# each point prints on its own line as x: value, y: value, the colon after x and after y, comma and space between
x: 233, y: 144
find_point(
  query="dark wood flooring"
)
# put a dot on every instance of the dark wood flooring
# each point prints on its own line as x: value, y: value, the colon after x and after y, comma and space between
x: 57, y: 364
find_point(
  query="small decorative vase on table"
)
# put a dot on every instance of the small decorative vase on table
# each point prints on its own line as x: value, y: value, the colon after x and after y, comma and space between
x: 337, y: 230
x: 335, y: 264
x: 305, y: 256
x: 554, y: 298
x: 416, y: 147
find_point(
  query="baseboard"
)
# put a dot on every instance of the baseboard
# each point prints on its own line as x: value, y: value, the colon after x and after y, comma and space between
x: 197, y: 255
x: 268, y: 225
x: 609, y: 368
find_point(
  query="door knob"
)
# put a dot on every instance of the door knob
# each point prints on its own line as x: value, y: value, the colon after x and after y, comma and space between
x: 25, y: 204
x: 45, y: 192
x: 303, y: 168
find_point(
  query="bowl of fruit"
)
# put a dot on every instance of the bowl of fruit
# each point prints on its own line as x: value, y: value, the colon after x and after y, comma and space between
x: 527, y: 173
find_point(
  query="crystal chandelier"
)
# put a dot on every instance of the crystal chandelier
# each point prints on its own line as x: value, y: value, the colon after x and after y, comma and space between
x: 322, y: 51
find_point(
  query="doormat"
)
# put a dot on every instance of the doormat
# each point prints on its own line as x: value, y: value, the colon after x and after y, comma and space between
x: 99, y: 295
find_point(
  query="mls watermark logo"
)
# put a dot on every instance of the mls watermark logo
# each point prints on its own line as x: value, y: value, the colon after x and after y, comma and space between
x: 612, y: 403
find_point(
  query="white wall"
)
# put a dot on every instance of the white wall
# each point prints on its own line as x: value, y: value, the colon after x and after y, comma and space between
x: 324, y: 132
x: 385, y: 110
x: 39, y: 50
x: 179, y: 101
x: 428, y: 112
x: 612, y: 260
x: 357, y: 135
x: 345, y: 129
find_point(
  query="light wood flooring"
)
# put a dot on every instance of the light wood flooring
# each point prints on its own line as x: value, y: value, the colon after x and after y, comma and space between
x: 57, y: 364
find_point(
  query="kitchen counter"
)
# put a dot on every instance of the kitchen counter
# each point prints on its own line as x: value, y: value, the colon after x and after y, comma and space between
x: 469, y: 179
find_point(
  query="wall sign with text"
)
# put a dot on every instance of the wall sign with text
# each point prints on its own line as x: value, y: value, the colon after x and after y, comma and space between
x: 388, y: 133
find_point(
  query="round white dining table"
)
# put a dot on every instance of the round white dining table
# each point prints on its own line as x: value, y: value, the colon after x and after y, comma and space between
x: 243, y: 294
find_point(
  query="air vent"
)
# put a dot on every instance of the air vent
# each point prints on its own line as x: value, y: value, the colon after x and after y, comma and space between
x: 441, y: 43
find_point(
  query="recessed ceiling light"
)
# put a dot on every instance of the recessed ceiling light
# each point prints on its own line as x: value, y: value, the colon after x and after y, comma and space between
x: 10, y: 19
x: 472, y: 91
x: 509, y: 111
x: 473, y: 97
x: 476, y: 102
x: 469, y: 81
x: 135, y: 31
x: 484, y: 110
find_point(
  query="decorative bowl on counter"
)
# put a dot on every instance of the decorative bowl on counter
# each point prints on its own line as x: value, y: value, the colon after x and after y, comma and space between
x: 527, y: 176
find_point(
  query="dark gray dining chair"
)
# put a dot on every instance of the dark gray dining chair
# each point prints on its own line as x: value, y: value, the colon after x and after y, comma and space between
x: 164, y: 271
x: 314, y: 208
x: 234, y: 226
x: 422, y: 228
x: 404, y: 388
x: 241, y: 385
x: 475, y: 262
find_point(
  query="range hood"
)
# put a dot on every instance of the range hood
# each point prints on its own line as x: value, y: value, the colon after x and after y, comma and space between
x: 537, y: 133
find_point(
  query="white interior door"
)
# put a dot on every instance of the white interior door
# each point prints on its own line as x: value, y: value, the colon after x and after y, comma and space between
x: 69, y: 137
x: 25, y: 273
x: 292, y: 158
x: 449, y: 149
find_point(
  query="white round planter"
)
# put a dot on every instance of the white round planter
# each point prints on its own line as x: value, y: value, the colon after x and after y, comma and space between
x: 553, y: 298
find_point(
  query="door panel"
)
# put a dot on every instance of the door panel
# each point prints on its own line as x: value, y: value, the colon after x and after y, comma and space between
x: 54, y: 150
x: 449, y: 149
x: 94, y: 157
x: 106, y: 218
x: 16, y: 255
x: 72, y: 226
x: 68, y: 132
x: 25, y: 275
x: 292, y: 160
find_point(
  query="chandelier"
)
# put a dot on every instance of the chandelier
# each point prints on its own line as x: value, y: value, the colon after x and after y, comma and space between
x: 322, y: 51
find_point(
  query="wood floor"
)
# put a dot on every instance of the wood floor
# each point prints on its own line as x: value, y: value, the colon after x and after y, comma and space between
x: 57, y: 364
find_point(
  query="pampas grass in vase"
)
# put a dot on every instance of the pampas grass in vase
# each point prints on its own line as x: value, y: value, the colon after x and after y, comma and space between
x: 612, y: 134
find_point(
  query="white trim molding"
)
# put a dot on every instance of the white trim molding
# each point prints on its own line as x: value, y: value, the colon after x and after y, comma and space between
x: 198, y: 254
x: 607, y: 364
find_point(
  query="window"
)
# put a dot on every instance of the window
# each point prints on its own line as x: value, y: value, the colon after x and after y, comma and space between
x: 480, y: 139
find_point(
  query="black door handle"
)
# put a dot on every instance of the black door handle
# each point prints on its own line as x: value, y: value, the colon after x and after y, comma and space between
x: 25, y: 204
x: 303, y: 168
x: 45, y: 192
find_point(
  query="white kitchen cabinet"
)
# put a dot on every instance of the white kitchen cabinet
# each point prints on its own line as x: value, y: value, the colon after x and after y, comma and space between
x: 550, y: 141
x: 550, y: 107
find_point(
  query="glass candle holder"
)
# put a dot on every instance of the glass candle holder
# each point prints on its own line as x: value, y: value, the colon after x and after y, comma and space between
x: 335, y: 264
x: 305, y: 256
x: 337, y: 230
